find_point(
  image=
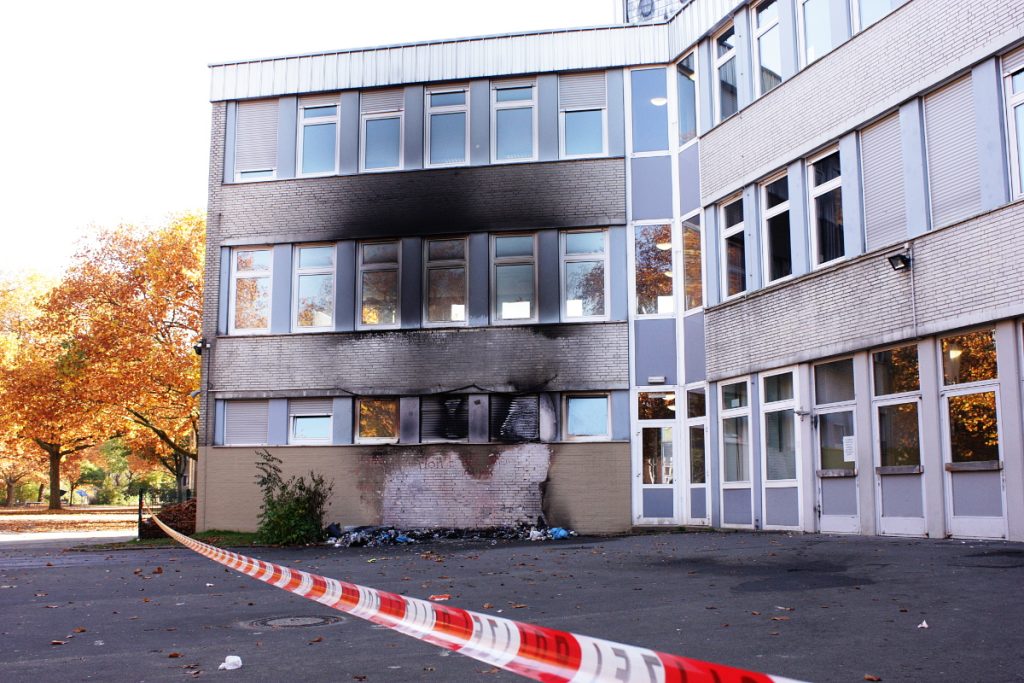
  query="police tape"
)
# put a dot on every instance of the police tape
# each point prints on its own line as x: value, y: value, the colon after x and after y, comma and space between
x: 542, y: 654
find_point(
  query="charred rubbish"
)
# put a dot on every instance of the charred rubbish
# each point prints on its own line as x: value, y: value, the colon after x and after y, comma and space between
x: 378, y: 536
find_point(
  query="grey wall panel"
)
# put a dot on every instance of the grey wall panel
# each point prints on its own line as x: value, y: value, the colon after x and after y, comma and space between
x: 479, y: 279
x: 618, y: 306
x: 694, y: 359
x: 548, y: 287
x: 991, y: 134
x: 479, y: 426
x: 287, y: 134
x: 413, y: 127
x: 799, y: 231
x: 744, y: 62
x: 348, y: 147
x: 839, y: 496
x: 616, y: 113
x: 782, y: 507
x: 281, y: 290
x: 655, y: 350
x: 853, y: 214
x: 409, y: 419
x: 229, y: 142
x: 218, y: 423
x: 412, y: 282
x: 620, y: 415
x: 698, y: 503
x: 712, y: 259
x: 736, y: 507
x: 657, y: 503
x: 547, y: 117
x: 788, y: 39
x: 915, y: 174
x: 480, y: 122
x: 752, y: 238
x: 277, y: 421
x: 341, y: 420
x: 345, y: 286
x: 224, y: 291
x: 901, y: 496
x: 651, y: 184
x: 689, y: 179
x: 977, y: 494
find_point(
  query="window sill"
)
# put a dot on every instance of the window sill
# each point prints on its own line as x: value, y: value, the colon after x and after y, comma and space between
x: 899, y: 469
x: 836, y: 474
x: 979, y: 466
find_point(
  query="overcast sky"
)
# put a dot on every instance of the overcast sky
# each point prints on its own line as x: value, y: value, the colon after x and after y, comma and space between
x: 105, y: 111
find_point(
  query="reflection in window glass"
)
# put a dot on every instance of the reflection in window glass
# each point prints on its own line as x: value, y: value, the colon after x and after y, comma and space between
x: 584, y: 288
x: 693, y: 285
x: 895, y: 370
x: 650, y: 110
x: 520, y: 245
x: 728, y: 100
x: 697, y: 469
x: 653, y: 284
x: 447, y: 99
x: 969, y: 357
x: 736, y: 444
x: 380, y: 297
x: 315, y: 301
x: 383, y: 137
x: 318, y: 148
x: 973, y: 427
x: 778, y: 387
x: 584, y: 242
x: 316, y: 257
x: 817, y: 21
x: 872, y: 10
x: 735, y: 253
x: 780, y: 444
x: 446, y: 295
x: 448, y: 138
x: 378, y: 418
x: 686, y: 92
x: 514, y: 131
x: 252, y: 303
x: 734, y: 395
x: 380, y: 252
x: 898, y: 442
x: 584, y: 132
x: 695, y: 403
x: 311, y: 428
x: 587, y: 416
x: 253, y: 260
x: 828, y: 210
x: 832, y: 427
x: 833, y: 382
x: 769, y: 59
x: 657, y: 455
x: 514, y: 291
x: 726, y: 41
x: 659, y: 405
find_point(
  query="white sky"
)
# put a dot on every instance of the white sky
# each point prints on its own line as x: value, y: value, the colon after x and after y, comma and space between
x: 105, y: 109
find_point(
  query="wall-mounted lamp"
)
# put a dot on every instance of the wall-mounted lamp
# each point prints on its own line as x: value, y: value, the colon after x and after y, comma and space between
x: 900, y: 261
x: 199, y: 346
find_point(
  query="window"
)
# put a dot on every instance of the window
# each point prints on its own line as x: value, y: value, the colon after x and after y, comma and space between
x: 447, y: 111
x: 256, y: 140
x: 246, y: 423
x: 318, y: 136
x: 778, y: 420
x: 444, y: 417
x: 584, y: 274
x: 445, y: 275
x: 657, y: 410
x: 514, y: 125
x: 686, y: 95
x: 649, y: 96
x: 869, y: 11
x: 896, y: 398
x: 1013, y: 70
x: 834, y: 400
x: 696, y: 425
x: 816, y: 28
x: 767, y: 47
x: 654, y: 269
x: 313, y: 287
x: 726, y: 94
x: 379, y: 269
x: 514, y: 419
x: 735, y: 429
x: 656, y: 405
x: 969, y: 378
x: 587, y: 417
x: 582, y: 99
x: 514, y: 279
x: 824, y: 175
x: 309, y: 420
x: 969, y: 358
x: 382, y: 118
x: 251, y: 271
x: 377, y: 420
x: 693, y: 284
x: 734, y: 252
x: 778, y: 254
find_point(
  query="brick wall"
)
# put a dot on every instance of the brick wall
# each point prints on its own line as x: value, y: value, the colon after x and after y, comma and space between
x: 919, y: 45
x: 963, y: 275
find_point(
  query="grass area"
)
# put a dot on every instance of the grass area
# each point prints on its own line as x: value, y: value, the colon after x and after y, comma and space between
x: 230, y: 539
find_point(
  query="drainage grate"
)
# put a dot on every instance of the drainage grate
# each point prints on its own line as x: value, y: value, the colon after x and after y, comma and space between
x: 294, y: 622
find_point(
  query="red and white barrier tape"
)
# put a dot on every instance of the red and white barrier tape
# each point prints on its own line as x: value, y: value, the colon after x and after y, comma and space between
x: 542, y: 654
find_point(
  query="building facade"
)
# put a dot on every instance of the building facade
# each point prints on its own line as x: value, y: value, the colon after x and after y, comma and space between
x: 742, y: 265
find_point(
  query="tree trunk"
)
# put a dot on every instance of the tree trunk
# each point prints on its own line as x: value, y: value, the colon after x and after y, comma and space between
x: 54, y: 480
x: 10, y: 492
x: 179, y: 480
x: 39, y: 497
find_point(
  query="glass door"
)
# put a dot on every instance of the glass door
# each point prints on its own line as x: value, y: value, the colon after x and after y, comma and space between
x: 836, y: 447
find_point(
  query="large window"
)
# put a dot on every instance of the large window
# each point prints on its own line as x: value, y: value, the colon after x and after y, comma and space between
x: 309, y: 421
x: 514, y: 136
x: 778, y: 422
x: 726, y: 94
x: 649, y: 96
x: 815, y: 28
x: 318, y: 138
x: 584, y: 275
x: 1014, y: 86
x: 734, y: 249
x: 693, y: 283
x: 696, y: 426
x: 379, y: 269
x: 445, y: 276
x: 581, y: 102
x: 834, y: 399
x: 514, y: 278
x: 969, y: 379
x: 686, y: 95
x: 587, y: 417
x: 382, y: 142
x: 767, y: 46
x: 735, y: 432
x: 377, y: 420
x: 825, y: 178
x: 313, y: 287
x: 251, y: 278
x: 447, y: 113
x: 654, y: 269
x: 778, y: 253
x: 896, y: 397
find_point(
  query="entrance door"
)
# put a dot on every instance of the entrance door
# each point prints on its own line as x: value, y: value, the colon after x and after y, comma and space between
x: 835, y: 447
x: 655, y: 458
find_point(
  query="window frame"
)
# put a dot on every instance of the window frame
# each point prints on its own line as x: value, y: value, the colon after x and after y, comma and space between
x: 899, y: 398
x: 362, y: 268
x: 565, y: 258
x: 730, y: 413
x: 674, y: 265
x: 429, y: 110
x: 320, y: 120
x: 685, y: 223
x: 845, y: 406
x: 297, y: 272
x: 429, y: 265
x: 233, y: 290
x: 718, y: 61
x: 566, y: 397
x: 758, y: 32
x: 764, y: 407
x: 724, y: 234
x: 326, y: 441
x: 1012, y: 102
x: 496, y: 106
x: 766, y: 215
x: 701, y: 422
x: 513, y: 260
x: 813, y: 192
x: 363, y: 119
x: 359, y: 439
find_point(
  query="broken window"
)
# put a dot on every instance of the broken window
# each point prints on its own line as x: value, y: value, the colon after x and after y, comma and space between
x: 514, y: 418
x: 444, y: 417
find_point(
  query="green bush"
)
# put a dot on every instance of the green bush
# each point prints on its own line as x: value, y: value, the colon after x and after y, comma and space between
x: 293, y: 510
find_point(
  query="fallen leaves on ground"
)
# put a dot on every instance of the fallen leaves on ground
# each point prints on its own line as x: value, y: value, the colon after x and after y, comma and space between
x: 871, y: 677
x: 174, y: 655
x: 318, y: 639
x: 441, y: 597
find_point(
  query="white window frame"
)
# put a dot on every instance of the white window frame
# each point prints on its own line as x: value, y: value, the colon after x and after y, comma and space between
x: 428, y: 110
x: 514, y: 260
x: 766, y: 215
x: 675, y: 267
x: 819, y: 409
x: 515, y: 104
x: 366, y: 267
x: 429, y: 265
x: 723, y: 415
x: 718, y: 62
x: 758, y: 33
x: 725, y: 233
x: 764, y: 408
x: 802, y: 38
x: 641, y: 423
x: 696, y: 101
x: 364, y: 118
x: 377, y: 439
x: 294, y: 441
x: 297, y: 272
x: 565, y: 258
x: 813, y: 192
x: 1013, y: 101
x: 233, y: 290
x: 566, y: 436
x: 688, y: 423
x: 699, y: 214
x: 303, y: 122
x: 604, y: 133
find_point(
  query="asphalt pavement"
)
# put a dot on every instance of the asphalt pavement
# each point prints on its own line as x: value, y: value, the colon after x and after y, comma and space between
x: 809, y: 607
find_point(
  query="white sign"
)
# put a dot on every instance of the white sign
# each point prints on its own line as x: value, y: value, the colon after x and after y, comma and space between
x: 849, y: 449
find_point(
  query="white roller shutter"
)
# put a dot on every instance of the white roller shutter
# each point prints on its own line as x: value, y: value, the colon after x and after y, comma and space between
x: 310, y: 406
x: 953, y: 173
x: 582, y: 91
x: 885, y: 210
x: 245, y: 423
x: 378, y: 101
x: 514, y: 83
x: 320, y: 100
x: 1013, y: 61
x: 256, y: 136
